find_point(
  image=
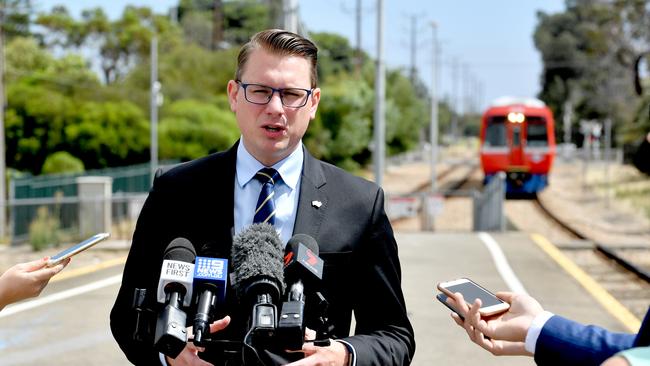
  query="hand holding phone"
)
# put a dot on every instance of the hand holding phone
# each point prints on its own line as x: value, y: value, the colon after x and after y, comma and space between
x: 77, y: 248
x: 471, y: 291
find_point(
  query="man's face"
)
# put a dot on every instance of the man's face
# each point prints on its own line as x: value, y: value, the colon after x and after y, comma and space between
x: 273, y: 131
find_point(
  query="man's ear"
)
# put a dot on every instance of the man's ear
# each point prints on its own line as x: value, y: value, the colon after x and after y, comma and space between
x: 233, y: 89
x: 313, y: 104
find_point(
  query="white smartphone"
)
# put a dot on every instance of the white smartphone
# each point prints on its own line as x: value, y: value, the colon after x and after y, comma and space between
x: 77, y: 248
x: 491, y: 305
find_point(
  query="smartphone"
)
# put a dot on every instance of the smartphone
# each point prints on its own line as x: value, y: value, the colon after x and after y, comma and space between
x: 471, y: 290
x: 77, y: 248
x: 443, y: 299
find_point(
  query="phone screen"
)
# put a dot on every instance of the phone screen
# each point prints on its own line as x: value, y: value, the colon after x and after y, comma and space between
x: 92, y: 240
x: 471, y: 292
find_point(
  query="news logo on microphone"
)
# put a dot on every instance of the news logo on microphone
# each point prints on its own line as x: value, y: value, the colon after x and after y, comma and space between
x: 212, y: 270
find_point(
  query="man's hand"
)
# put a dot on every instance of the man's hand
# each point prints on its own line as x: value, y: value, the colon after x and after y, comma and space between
x: 189, y: 356
x: 336, y: 354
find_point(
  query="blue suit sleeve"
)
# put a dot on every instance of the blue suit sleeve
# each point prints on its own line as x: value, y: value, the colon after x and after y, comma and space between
x: 565, y: 342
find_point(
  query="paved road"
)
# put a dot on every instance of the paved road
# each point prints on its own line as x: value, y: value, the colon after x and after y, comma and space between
x: 74, y: 331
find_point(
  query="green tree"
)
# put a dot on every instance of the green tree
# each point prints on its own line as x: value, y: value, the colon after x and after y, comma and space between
x: 62, y: 162
x: 108, y: 134
x: 587, y: 51
x: 192, y: 129
x: 342, y: 128
x: 15, y: 18
x: 242, y: 18
x: 120, y: 44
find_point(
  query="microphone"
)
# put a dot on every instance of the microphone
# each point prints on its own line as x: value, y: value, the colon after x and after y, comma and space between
x: 258, y: 277
x: 301, y: 264
x: 210, y: 279
x: 175, y: 291
x: 301, y: 261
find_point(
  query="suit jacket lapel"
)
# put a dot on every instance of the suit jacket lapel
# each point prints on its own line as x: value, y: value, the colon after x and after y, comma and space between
x: 312, y: 202
x: 218, y: 220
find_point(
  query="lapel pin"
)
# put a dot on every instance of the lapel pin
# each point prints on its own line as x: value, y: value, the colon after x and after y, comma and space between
x: 316, y: 204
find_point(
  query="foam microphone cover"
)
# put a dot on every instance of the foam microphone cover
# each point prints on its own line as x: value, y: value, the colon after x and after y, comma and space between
x: 257, y: 254
x: 180, y: 249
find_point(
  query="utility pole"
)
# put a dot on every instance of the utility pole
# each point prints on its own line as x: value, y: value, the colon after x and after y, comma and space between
x: 454, y: 99
x: 3, y: 196
x: 291, y: 15
x: 433, y: 133
x: 429, y: 214
x: 380, y: 91
x: 153, y: 104
x: 359, y: 60
x: 217, y: 25
x: 414, y: 27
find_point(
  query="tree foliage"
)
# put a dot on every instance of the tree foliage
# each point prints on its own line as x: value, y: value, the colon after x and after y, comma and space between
x: 62, y: 162
x: 588, y: 52
x: 62, y: 115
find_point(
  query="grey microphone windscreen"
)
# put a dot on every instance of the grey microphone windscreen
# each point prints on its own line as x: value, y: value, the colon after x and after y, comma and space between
x: 257, y: 255
x: 180, y: 249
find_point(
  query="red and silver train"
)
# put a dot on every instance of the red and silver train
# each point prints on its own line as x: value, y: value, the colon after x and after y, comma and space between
x: 518, y: 138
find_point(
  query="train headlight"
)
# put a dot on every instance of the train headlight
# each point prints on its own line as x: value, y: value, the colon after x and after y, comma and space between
x: 516, y: 117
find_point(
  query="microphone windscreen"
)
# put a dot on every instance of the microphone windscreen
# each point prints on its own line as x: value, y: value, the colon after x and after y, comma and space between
x: 257, y: 254
x: 180, y: 249
x: 303, y: 239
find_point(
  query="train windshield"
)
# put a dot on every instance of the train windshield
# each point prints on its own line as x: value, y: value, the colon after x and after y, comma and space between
x: 536, y: 134
x: 495, y: 133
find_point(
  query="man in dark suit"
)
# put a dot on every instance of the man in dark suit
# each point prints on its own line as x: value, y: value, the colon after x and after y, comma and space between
x: 526, y: 329
x: 274, y: 96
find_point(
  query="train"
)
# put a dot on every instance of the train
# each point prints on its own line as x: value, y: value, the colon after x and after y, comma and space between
x: 517, y: 137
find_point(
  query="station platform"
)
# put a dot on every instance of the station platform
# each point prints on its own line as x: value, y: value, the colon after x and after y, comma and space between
x: 429, y: 258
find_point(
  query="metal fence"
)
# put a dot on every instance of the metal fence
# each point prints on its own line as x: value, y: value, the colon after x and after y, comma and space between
x: 71, y: 218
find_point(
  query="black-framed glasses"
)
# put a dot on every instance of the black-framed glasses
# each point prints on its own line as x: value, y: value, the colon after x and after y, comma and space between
x: 262, y: 94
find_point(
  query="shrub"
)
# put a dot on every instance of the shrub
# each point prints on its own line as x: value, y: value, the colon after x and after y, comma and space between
x: 62, y: 162
x: 43, y: 230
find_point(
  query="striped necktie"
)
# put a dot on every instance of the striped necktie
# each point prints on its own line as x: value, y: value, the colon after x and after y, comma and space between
x: 265, y: 209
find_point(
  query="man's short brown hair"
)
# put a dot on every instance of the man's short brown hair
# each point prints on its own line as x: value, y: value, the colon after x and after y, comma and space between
x: 283, y: 43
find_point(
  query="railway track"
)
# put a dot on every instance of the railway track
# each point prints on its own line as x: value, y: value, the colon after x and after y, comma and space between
x: 617, y: 269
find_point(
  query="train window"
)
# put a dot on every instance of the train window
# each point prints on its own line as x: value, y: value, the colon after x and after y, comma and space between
x: 495, y: 133
x: 516, y: 136
x: 536, y: 133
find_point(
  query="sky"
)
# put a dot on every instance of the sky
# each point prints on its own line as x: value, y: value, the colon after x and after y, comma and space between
x: 490, y: 42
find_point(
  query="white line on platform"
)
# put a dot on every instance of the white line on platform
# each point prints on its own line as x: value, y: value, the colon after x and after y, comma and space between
x: 13, y: 309
x: 502, y: 264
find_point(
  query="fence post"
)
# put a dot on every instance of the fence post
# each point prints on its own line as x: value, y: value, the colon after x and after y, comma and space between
x: 488, y: 206
x: 94, y: 204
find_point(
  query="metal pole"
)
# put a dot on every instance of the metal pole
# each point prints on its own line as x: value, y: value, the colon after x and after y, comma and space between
x: 380, y: 91
x: 155, y: 90
x: 433, y: 131
x: 358, y: 61
x: 3, y: 201
x: 608, y: 151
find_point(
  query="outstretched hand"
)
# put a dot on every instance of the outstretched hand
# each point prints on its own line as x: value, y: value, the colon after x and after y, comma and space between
x: 501, y: 334
x: 25, y: 280
x: 189, y: 356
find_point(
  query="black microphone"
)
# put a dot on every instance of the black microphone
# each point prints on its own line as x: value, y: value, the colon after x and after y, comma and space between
x: 258, y: 278
x: 175, y: 291
x: 210, y: 280
x: 302, y: 266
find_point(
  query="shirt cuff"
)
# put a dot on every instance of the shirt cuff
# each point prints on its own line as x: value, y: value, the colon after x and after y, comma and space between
x: 352, y: 360
x: 535, y: 329
x: 163, y: 361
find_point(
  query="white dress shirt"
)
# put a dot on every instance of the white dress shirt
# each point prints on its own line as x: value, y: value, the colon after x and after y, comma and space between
x: 287, y: 190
